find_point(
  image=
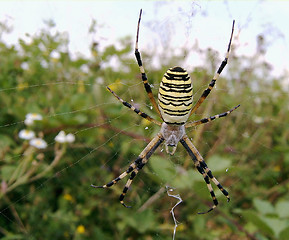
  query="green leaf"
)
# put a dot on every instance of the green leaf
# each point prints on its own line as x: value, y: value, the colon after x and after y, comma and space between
x: 5, y: 141
x: 186, y: 179
x: 7, y: 171
x: 251, y: 216
x: 163, y: 168
x: 263, y: 206
x: 142, y: 221
x: 284, y: 234
x: 81, y: 118
x: 276, y: 224
x: 12, y: 236
x: 218, y: 163
x: 282, y: 209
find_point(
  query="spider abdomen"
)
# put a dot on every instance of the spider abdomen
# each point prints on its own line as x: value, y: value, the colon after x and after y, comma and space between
x: 175, y: 96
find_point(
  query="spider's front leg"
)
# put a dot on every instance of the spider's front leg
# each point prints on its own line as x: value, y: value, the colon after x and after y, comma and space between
x: 135, y: 167
x: 142, y: 70
x: 216, y: 76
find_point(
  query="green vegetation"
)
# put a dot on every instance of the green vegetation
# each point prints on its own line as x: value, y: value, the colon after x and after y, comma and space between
x: 46, y: 193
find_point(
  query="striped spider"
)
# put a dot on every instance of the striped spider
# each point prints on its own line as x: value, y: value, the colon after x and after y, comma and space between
x: 175, y: 106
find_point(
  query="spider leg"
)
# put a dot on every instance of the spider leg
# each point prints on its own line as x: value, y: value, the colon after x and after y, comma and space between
x: 135, y: 166
x: 204, y: 170
x: 142, y: 114
x: 209, y: 119
x: 129, y: 181
x: 141, y: 68
x: 215, y: 78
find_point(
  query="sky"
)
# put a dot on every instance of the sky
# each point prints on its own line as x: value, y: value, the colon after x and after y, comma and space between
x: 179, y: 22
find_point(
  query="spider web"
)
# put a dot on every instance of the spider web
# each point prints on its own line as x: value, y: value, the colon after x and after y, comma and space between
x: 43, y: 184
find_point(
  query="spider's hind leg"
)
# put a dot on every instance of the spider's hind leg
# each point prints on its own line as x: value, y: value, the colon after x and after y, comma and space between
x: 129, y: 181
x: 207, y: 180
x: 140, y: 162
x: 204, y: 170
x: 114, y: 181
x: 134, y: 168
x: 215, y: 181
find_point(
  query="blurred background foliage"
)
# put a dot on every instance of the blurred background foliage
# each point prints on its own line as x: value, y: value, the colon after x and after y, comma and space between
x: 46, y: 193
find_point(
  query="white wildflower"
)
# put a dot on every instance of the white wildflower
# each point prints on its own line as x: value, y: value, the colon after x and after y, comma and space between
x: 63, y: 138
x: 31, y: 117
x: 55, y: 54
x: 84, y: 68
x: 38, y: 143
x: 26, y: 134
x: 60, y: 137
x: 44, y: 63
x: 70, y: 138
x: 28, y: 121
x: 24, y: 66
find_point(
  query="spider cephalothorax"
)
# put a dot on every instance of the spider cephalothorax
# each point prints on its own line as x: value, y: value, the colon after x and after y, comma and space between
x: 175, y: 106
x: 172, y: 134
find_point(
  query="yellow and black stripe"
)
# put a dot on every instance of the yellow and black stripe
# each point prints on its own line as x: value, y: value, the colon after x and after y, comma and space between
x: 175, y: 96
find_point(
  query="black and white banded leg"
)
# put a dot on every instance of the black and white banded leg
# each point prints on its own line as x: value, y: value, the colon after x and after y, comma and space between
x: 204, y: 170
x: 215, y: 78
x: 209, y: 119
x: 142, y: 70
x: 136, y: 110
x: 135, y: 167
